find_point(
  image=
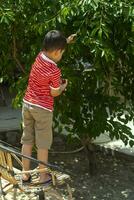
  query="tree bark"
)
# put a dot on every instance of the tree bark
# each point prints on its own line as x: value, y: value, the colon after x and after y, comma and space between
x: 91, y: 156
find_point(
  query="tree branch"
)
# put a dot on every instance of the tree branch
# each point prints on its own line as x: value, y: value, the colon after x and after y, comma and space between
x: 15, y: 55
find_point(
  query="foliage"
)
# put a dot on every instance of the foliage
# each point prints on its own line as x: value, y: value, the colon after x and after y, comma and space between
x: 99, y: 66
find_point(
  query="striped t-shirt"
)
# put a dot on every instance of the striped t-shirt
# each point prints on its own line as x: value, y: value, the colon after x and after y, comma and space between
x: 44, y: 75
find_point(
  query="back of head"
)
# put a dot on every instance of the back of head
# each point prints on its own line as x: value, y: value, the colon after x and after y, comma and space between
x: 54, y: 40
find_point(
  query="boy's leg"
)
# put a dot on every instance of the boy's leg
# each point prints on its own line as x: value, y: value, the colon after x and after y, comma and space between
x: 27, y: 139
x: 43, y: 137
x: 27, y: 151
x: 42, y: 154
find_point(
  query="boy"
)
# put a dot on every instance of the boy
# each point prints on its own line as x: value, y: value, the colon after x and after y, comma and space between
x: 44, y: 84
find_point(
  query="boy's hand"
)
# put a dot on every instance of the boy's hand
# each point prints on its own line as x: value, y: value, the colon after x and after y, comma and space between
x: 57, y: 92
x: 64, y: 84
x: 71, y: 38
x: 63, y: 81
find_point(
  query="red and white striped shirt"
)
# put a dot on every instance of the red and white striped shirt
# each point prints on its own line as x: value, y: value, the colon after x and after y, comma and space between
x: 44, y: 75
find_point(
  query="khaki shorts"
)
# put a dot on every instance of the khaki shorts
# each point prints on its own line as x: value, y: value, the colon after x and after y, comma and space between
x: 37, y: 126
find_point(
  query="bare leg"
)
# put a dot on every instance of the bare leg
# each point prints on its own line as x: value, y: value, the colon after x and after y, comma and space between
x: 26, y: 150
x: 43, y: 156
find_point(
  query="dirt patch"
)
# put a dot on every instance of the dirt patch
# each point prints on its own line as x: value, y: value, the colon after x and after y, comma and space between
x: 113, y: 180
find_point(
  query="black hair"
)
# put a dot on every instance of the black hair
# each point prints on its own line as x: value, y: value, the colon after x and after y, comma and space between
x: 54, y: 40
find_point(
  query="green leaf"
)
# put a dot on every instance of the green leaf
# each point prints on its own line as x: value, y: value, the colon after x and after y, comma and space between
x: 100, y: 33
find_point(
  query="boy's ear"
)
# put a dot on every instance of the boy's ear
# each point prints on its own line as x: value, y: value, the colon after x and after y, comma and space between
x: 58, y: 51
x: 55, y: 52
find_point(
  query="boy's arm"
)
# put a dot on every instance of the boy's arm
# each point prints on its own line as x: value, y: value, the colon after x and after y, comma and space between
x: 57, y: 92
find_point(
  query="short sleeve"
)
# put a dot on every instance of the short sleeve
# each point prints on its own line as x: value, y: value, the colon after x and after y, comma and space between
x: 55, y: 79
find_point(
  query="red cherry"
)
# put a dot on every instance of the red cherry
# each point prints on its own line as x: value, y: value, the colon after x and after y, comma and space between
x: 63, y: 81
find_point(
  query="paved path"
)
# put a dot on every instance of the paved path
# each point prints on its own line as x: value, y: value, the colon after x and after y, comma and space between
x: 114, y: 146
x: 10, y: 119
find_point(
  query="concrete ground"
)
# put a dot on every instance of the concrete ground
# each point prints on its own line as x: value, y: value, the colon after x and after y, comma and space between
x: 10, y: 119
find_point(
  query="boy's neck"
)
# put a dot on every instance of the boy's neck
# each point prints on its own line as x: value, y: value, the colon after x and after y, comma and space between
x: 49, y: 55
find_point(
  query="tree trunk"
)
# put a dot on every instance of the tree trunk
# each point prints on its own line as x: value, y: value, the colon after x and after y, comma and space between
x: 91, y: 156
